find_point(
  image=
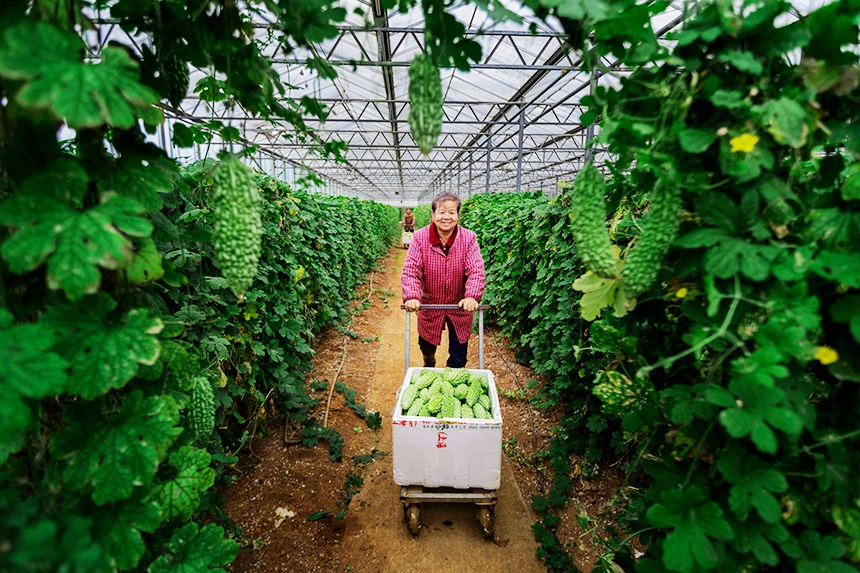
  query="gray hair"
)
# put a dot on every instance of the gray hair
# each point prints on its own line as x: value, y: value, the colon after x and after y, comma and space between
x: 442, y: 197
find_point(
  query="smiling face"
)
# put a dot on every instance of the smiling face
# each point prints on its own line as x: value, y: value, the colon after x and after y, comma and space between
x: 446, y: 216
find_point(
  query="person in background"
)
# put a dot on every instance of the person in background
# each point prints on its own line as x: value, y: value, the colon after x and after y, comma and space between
x: 443, y: 266
x: 408, y: 221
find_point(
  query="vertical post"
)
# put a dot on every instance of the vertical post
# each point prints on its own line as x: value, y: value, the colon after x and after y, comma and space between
x: 470, y: 174
x: 589, y: 132
x: 489, y: 148
x: 481, y: 339
x: 520, y: 146
x: 406, y: 364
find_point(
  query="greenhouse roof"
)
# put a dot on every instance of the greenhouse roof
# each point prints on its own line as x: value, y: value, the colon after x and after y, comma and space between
x: 511, y: 123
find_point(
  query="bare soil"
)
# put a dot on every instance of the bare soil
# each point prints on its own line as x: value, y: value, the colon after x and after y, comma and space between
x: 278, y: 486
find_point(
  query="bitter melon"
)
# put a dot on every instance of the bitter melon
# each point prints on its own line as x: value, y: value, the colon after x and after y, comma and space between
x: 448, y: 407
x: 659, y: 230
x: 408, y: 396
x: 238, y: 226
x: 201, y: 408
x: 435, y: 402
x: 466, y: 412
x: 425, y: 103
x: 415, y: 408
x: 480, y: 412
x: 588, y: 217
x: 474, y: 392
x: 175, y: 72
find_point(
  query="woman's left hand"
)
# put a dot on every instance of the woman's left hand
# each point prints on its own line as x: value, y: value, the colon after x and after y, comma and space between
x: 469, y: 304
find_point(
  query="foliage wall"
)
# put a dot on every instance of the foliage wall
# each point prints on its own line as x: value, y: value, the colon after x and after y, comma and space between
x: 103, y: 466
x: 422, y: 216
x: 730, y: 385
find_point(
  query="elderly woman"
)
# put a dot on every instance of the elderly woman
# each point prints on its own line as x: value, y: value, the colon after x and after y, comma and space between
x: 443, y: 266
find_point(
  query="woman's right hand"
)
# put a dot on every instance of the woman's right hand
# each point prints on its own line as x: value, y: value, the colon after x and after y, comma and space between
x: 412, y: 305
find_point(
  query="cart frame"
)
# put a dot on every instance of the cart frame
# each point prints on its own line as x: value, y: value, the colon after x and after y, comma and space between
x: 412, y: 496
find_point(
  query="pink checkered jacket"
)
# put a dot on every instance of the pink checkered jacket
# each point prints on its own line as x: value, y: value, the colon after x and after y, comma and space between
x: 433, y: 278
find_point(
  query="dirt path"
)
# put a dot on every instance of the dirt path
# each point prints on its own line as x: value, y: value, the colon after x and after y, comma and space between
x: 277, y: 487
x: 376, y: 537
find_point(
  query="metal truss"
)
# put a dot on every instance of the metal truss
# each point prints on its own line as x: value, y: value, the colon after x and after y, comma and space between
x: 510, y: 124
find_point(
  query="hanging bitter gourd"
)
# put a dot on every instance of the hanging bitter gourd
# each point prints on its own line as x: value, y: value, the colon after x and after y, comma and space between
x: 201, y: 408
x: 238, y: 226
x: 659, y: 230
x: 588, y: 215
x: 175, y: 72
x: 425, y: 103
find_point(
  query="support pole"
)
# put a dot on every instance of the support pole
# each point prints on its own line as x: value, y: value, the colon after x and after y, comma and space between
x: 520, y: 146
x: 470, y: 174
x: 489, y: 148
x: 481, y: 339
x: 406, y: 365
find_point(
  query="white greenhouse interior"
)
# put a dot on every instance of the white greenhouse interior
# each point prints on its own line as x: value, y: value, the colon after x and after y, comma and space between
x: 510, y: 124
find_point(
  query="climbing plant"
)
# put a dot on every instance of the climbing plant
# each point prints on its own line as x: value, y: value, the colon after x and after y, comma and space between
x: 118, y: 329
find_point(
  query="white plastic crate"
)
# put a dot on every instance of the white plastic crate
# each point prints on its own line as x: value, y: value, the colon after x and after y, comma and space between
x: 456, y: 453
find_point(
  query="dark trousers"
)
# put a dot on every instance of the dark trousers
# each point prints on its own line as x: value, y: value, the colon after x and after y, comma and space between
x: 457, y: 350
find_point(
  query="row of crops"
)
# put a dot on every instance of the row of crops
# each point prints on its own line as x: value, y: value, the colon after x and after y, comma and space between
x: 727, y: 388
x: 104, y: 464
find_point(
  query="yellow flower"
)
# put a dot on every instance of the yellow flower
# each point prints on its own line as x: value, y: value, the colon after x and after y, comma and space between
x: 681, y: 293
x: 745, y: 142
x: 826, y: 355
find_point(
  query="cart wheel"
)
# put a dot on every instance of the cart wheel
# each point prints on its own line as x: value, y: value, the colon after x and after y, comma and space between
x: 413, y: 518
x: 487, y: 519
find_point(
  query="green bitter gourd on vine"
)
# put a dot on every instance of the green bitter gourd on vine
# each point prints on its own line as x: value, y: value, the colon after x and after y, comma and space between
x: 659, y: 230
x: 425, y: 103
x: 201, y: 408
x: 588, y: 215
x: 238, y: 226
x: 175, y: 72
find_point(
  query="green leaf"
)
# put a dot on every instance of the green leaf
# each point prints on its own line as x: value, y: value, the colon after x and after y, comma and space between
x: 842, y: 268
x: 117, y: 451
x: 694, y: 521
x: 734, y: 256
x: 757, y: 537
x: 598, y: 294
x: 139, y: 182
x: 30, y: 370
x: 620, y: 394
x: 696, y: 140
x: 836, y: 229
x: 192, y: 552
x: 785, y: 120
x: 757, y: 409
x: 850, y: 189
x: 821, y: 554
x: 145, y: 265
x: 742, y: 61
x: 117, y: 528
x: 754, y: 481
x: 728, y: 99
x: 180, y: 496
x: 35, y: 540
x: 102, y: 350
x: 74, y: 243
x: 83, y: 94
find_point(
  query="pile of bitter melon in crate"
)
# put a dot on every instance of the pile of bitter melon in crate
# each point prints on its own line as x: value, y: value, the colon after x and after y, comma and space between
x: 447, y: 394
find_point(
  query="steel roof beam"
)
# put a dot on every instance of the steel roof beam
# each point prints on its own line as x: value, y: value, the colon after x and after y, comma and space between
x: 380, y: 17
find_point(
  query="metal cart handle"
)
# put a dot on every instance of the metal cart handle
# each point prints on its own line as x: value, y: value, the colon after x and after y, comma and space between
x: 481, y: 309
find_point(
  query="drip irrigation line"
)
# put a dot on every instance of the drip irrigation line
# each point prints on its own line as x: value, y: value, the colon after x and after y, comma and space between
x: 343, y: 358
x: 541, y: 477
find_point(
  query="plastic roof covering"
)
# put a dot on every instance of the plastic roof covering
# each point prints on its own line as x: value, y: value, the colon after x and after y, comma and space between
x: 510, y: 124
